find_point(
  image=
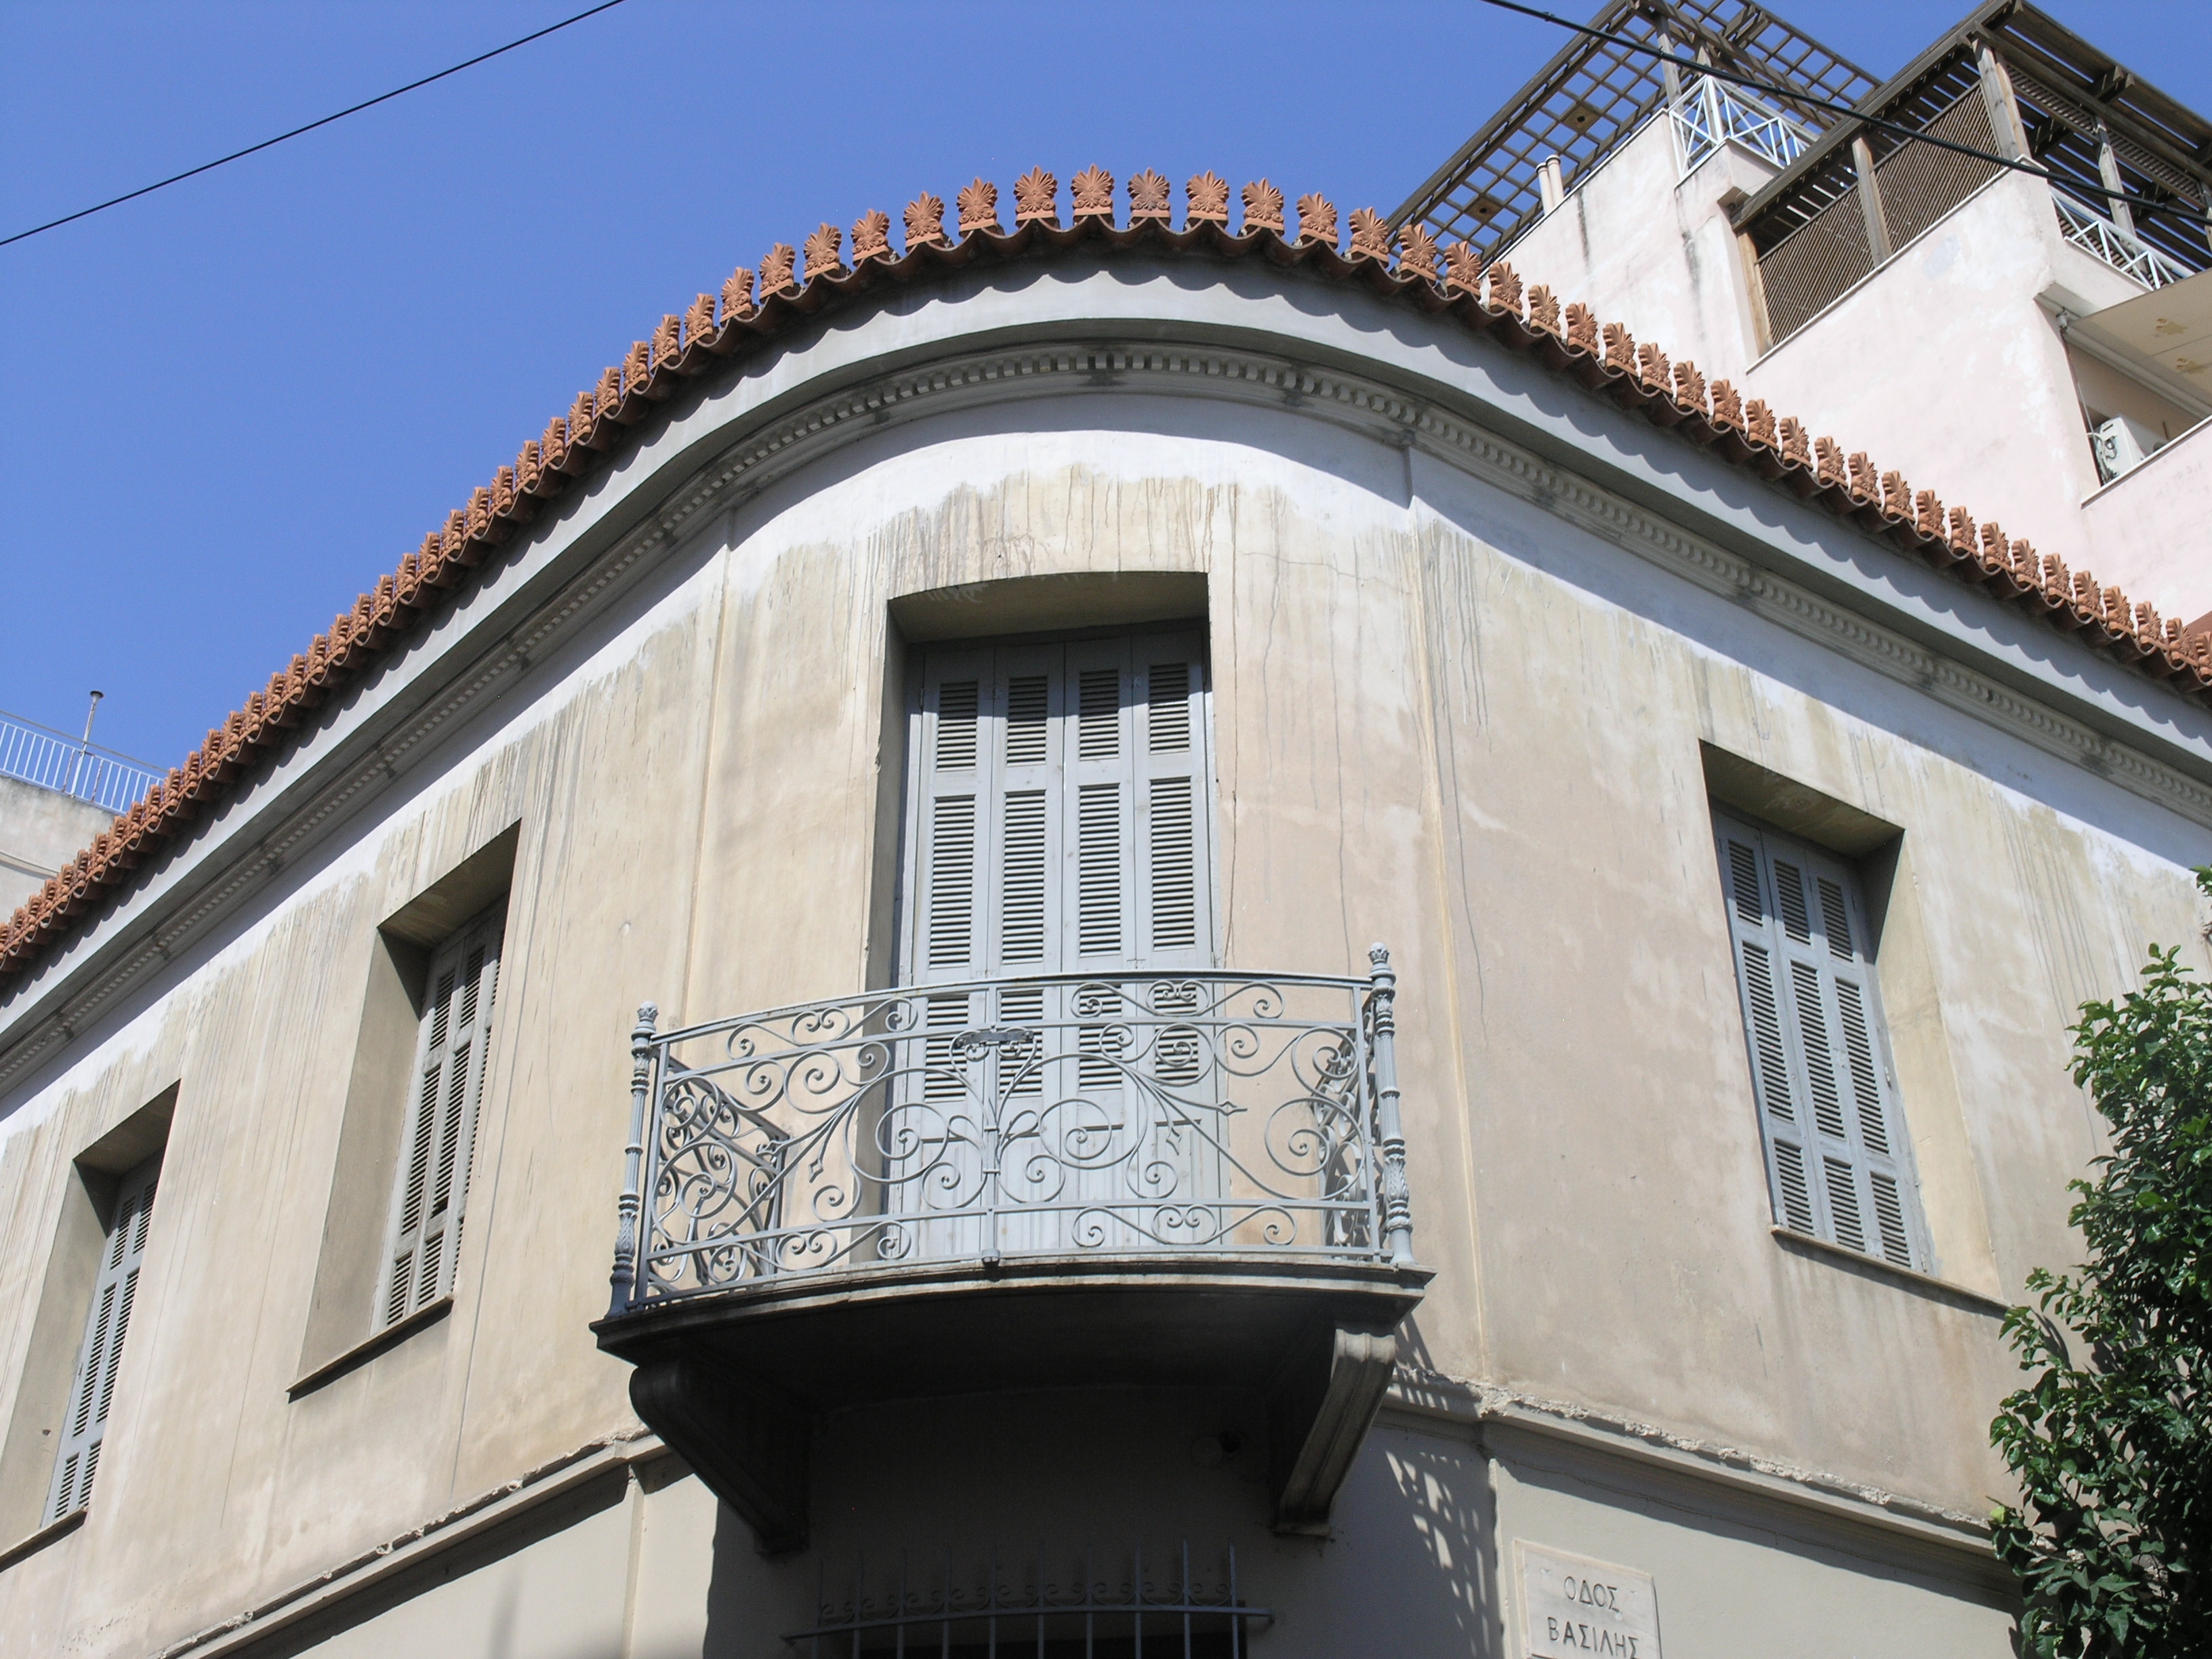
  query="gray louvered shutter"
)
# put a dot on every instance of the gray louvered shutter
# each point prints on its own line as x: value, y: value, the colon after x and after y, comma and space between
x: 1836, y: 1155
x: 77, y: 1458
x: 1063, y: 806
x: 439, y: 1147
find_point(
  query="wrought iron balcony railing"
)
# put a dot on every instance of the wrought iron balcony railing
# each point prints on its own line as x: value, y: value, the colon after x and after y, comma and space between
x: 1066, y: 1115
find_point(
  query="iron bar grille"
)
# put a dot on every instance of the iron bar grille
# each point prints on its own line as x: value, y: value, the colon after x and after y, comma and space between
x: 1056, y: 1116
x: 53, y: 760
x: 1594, y: 95
x: 1021, y: 1614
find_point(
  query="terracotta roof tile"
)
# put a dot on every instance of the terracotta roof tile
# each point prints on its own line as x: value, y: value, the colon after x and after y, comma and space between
x: 1604, y: 358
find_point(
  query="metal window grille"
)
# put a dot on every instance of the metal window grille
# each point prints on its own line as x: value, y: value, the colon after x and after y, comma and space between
x: 1019, y: 1612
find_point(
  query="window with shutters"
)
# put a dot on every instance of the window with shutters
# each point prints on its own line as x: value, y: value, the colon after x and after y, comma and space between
x: 1838, y: 1162
x: 116, y: 1290
x: 1061, y: 811
x: 439, y: 1144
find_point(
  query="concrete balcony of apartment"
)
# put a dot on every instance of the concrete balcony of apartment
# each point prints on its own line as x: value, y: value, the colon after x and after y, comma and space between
x: 1168, y: 1179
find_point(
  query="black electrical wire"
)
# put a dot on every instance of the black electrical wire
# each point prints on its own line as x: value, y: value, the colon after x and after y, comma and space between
x: 1797, y: 94
x: 239, y: 155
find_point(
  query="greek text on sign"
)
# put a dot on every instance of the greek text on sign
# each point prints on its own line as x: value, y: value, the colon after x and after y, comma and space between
x: 1574, y: 1607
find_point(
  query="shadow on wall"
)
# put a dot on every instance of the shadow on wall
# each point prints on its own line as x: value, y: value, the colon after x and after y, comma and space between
x: 1080, y: 1482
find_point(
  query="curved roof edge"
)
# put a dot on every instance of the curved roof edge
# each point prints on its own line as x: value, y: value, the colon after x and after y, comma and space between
x: 713, y: 333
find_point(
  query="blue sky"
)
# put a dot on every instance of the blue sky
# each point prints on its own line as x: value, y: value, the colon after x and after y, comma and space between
x: 234, y: 403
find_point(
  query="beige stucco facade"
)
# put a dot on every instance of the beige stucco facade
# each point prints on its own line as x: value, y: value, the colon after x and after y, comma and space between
x: 1483, y: 648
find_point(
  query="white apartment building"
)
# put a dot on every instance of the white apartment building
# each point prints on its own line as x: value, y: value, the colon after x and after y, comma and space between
x: 2029, y: 347
x: 1236, y: 945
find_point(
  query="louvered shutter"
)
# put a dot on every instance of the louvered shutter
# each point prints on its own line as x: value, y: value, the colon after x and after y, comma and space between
x: 77, y: 1458
x: 1836, y: 1156
x: 1062, y: 817
x: 439, y: 1146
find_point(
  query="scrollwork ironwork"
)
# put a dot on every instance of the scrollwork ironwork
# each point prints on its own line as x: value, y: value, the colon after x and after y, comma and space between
x: 1068, y: 1115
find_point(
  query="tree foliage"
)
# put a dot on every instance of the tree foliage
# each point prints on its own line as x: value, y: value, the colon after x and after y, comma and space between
x: 2112, y: 1441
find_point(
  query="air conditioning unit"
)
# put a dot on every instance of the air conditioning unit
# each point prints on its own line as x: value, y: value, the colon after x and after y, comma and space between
x: 2122, y: 446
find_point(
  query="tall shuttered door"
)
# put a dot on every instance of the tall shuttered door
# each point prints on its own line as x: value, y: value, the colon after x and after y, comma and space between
x: 1062, y: 805
x: 1836, y: 1149
x: 109, y: 1321
x: 440, y: 1143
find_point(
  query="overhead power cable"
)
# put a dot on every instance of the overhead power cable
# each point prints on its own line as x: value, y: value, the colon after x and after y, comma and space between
x: 1798, y: 95
x: 251, y: 149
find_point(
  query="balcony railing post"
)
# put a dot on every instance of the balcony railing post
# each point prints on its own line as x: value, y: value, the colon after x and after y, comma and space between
x: 1389, y: 1134
x: 632, y: 1201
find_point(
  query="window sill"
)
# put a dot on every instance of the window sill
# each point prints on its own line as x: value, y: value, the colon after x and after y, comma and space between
x: 362, y: 1352
x: 38, y: 1540
x: 1873, y: 1266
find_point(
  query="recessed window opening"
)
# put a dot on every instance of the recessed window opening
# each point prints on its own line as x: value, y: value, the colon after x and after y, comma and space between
x: 1838, y: 1160
x: 114, y: 1293
x: 439, y: 1147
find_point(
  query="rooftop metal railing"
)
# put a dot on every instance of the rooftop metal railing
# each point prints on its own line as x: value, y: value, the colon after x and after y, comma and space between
x: 54, y: 759
x: 2092, y: 231
x: 1107, y: 1115
x: 1711, y: 113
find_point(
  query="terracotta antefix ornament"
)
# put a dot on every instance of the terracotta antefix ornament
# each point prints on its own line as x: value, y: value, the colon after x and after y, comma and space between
x: 1689, y: 385
x: 738, y: 294
x: 1864, y: 485
x: 1758, y: 423
x: 979, y: 207
x: 1148, y: 198
x: 1463, y: 270
x: 1504, y: 289
x: 1927, y: 513
x: 1896, y: 496
x: 1417, y: 253
x: 1263, y: 207
x: 1317, y: 220
x: 667, y: 339
x: 1796, y: 445
x: 1036, y: 196
x: 1371, y: 236
x: 1093, y: 189
x: 1653, y: 369
x: 1206, y: 200
x: 925, y: 222
x: 777, y: 273
x: 1582, y: 329
x: 871, y: 236
x: 824, y: 252
x: 1828, y: 461
x: 1543, y: 308
x: 699, y: 320
x: 1962, y: 530
x: 1620, y: 349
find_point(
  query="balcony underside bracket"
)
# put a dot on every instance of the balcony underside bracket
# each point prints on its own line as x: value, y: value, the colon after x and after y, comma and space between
x: 749, y: 1447
x: 1319, y: 1410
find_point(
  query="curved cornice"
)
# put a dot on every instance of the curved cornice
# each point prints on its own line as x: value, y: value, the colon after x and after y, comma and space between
x: 721, y: 449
